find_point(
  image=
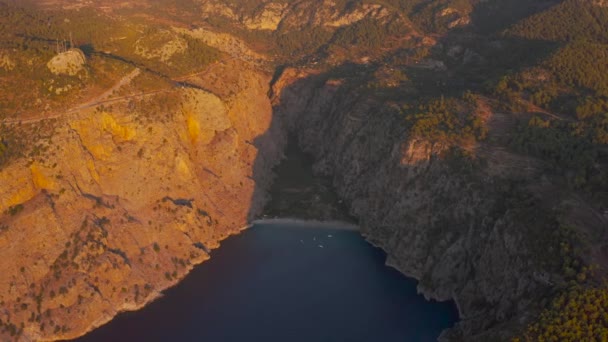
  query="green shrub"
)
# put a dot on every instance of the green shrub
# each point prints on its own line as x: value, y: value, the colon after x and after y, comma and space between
x: 446, y: 120
x: 576, y: 315
x: 567, y: 148
x: 15, y: 209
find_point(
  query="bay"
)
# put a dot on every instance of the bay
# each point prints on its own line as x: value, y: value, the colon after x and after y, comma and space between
x: 288, y: 281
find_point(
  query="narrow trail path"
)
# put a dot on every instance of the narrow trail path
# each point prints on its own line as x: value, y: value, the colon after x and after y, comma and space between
x: 105, y: 98
x: 102, y: 98
x: 122, y: 82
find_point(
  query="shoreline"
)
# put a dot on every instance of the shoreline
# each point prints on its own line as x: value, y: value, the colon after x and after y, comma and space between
x: 335, y: 224
x: 290, y: 225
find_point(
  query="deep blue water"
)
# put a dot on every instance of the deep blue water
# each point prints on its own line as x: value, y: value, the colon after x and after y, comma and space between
x: 274, y: 282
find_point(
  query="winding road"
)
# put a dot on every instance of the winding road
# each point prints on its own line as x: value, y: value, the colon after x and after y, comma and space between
x: 99, y: 99
x: 105, y: 98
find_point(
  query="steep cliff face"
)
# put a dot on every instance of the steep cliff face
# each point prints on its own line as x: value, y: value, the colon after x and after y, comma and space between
x: 122, y: 202
x: 461, y: 225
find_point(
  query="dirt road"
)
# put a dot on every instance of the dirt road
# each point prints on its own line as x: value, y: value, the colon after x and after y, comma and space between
x: 104, y: 98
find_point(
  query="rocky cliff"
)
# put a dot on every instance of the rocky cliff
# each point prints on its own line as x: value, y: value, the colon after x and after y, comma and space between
x: 467, y: 222
x: 295, y: 15
x: 120, y: 202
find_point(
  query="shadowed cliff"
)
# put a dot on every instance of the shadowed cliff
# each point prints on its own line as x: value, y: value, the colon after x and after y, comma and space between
x: 463, y: 216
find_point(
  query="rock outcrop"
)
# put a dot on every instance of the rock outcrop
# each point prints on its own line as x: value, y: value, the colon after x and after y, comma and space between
x: 70, y: 62
x: 6, y: 63
x: 268, y: 18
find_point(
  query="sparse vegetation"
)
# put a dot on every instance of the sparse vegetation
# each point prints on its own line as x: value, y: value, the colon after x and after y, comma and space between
x: 567, y: 20
x: 576, y: 315
x: 568, y: 148
x: 445, y: 120
x: 15, y: 209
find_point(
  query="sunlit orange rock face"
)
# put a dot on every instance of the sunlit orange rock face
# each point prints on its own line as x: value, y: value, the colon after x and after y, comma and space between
x: 121, y: 206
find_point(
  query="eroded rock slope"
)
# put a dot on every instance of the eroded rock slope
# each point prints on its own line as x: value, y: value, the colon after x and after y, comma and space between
x: 122, y: 201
